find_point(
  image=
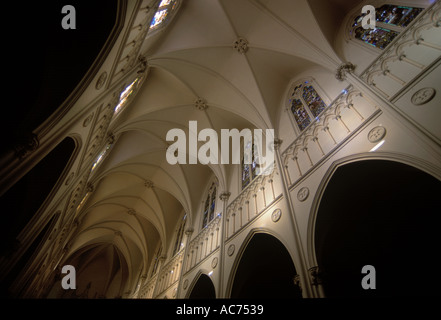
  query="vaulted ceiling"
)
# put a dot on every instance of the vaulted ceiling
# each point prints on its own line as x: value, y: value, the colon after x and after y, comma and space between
x: 139, y: 198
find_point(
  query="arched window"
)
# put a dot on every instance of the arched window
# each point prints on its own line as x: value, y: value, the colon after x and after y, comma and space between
x: 179, y: 234
x: 390, y: 21
x: 163, y: 13
x: 249, y: 170
x: 101, y: 156
x: 209, y: 205
x: 305, y: 104
x: 125, y: 95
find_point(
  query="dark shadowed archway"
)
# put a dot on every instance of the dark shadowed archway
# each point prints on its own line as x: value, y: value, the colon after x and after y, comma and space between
x: 203, y: 288
x: 380, y: 213
x: 265, y: 270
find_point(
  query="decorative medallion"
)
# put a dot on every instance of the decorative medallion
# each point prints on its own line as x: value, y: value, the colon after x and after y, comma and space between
x: 101, y: 80
x: 200, y: 104
x: 185, y: 285
x: 376, y: 134
x: 88, y: 120
x: 303, y: 194
x: 241, y: 45
x: 231, y: 249
x: 214, y: 262
x: 423, y: 96
x: 275, y: 216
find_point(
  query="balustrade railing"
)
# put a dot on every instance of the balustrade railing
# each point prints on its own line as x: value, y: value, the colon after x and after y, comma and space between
x: 403, y: 60
x: 251, y: 202
x: 148, y: 289
x: 207, y: 241
x: 340, y: 120
x: 169, y: 273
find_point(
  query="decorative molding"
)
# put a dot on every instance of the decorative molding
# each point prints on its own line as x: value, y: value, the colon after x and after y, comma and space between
x: 376, y: 134
x: 214, y: 262
x: 241, y: 45
x: 224, y: 196
x: 343, y: 69
x: 276, y: 215
x: 101, y: 80
x: 303, y: 194
x: 423, y: 96
x: 231, y: 250
x: 69, y: 178
x: 88, y: 120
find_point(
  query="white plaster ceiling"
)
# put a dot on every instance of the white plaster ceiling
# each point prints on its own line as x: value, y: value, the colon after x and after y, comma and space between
x: 194, y: 58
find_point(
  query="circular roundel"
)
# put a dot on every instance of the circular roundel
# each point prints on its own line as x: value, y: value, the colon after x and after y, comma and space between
x: 276, y: 215
x: 423, y: 96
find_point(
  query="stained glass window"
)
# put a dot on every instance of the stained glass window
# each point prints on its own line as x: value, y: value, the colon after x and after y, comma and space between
x: 313, y: 100
x: 250, y: 170
x: 209, y: 206
x: 397, y: 15
x: 378, y: 37
x: 306, y: 104
x: 164, y: 10
x: 390, y: 21
x: 125, y: 94
x: 245, y: 174
x: 213, y: 204
x: 101, y: 156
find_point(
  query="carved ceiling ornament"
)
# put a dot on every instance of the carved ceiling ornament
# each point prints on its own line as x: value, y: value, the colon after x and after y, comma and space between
x: 200, y: 104
x: 241, y: 45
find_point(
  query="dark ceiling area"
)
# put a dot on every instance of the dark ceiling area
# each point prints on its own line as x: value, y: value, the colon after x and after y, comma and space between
x: 44, y: 62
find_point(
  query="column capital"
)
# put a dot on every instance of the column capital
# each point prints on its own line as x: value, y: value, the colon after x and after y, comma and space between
x: 344, y: 68
x: 297, y: 281
x: 277, y: 143
x: 189, y: 231
x: 224, y: 196
x: 316, y: 275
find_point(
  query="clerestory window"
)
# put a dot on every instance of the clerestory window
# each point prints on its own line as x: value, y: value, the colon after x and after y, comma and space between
x: 391, y: 20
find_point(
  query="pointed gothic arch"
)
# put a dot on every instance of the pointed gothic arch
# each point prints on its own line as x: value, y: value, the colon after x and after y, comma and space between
x: 390, y: 231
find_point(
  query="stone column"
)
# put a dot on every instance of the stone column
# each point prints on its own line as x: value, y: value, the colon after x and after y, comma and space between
x: 300, y: 260
x: 224, y: 197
